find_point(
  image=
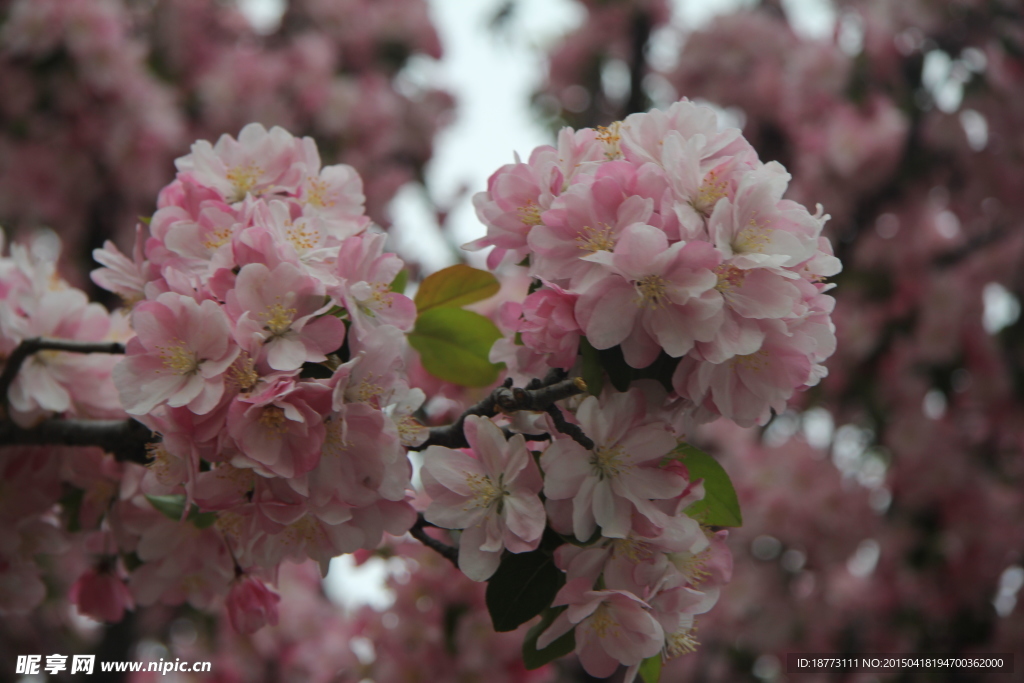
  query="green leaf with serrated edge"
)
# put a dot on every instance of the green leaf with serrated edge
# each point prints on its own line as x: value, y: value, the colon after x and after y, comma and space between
x: 563, y: 645
x: 523, y: 586
x: 650, y: 669
x: 592, y: 372
x: 455, y: 286
x: 454, y: 345
x: 720, y: 507
x: 400, y: 281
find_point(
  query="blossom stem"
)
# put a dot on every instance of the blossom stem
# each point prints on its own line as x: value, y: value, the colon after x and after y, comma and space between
x: 418, y: 531
x: 27, y: 347
x: 126, y: 439
x: 505, y: 399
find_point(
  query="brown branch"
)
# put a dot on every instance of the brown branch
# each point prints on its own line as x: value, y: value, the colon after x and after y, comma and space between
x: 572, y: 431
x: 30, y: 346
x: 418, y: 531
x: 126, y: 439
x: 504, y: 399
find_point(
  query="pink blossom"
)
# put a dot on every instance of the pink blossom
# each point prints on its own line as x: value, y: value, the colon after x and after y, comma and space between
x: 621, y: 474
x: 279, y: 427
x: 491, y: 494
x: 587, y: 219
x: 366, y: 274
x: 179, y: 356
x: 612, y: 627
x: 257, y: 162
x: 278, y: 309
x: 746, y: 388
x: 101, y: 595
x: 251, y: 605
x: 658, y: 296
x: 549, y: 325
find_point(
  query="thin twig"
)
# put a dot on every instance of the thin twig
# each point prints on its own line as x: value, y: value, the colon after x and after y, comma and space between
x: 504, y: 399
x: 126, y: 439
x: 569, y: 429
x: 27, y: 347
x: 418, y: 532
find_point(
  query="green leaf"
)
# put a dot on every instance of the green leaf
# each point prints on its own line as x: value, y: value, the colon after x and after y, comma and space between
x: 650, y: 669
x: 592, y: 372
x: 454, y: 287
x: 563, y: 645
x: 454, y: 345
x: 524, y: 585
x: 172, y: 506
x: 400, y: 281
x: 720, y: 506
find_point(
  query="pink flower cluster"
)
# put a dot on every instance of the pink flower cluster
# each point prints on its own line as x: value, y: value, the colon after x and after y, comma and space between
x: 638, y: 568
x: 36, y: 302
x: 665, y: 234
x: 268, y: 357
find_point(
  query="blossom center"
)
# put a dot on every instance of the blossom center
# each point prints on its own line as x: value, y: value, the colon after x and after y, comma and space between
x: 243, y: 373
x: 596, y: 239
x: 179, y: 358
x: 631, y: 548
x: 316, y: 194
x: 753, y: 238
x: 244, y: 177
x: 755, y: 362
x: 608, y: 462
x: 611, y: 137
x: 603, y: 623
x: 274, y: 420
x: 710, y: 191
x: 529, y: 213
x: 650, y: 291
x: 302, y: 238
x: 278, y: 319
x: 682, y: 642
x: 485, y: 491
x: 729, y: 277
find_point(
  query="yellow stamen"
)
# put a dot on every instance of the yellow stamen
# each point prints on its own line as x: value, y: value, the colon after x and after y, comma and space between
x: 681, y: 643
x: 753, y: 238
x: 710, y: 191
x: 596, y: 239
x: 608, y: 462
x: 179, y: 358
x: 602, y: 623
x: 651, y: 292
x: 278, y: 319
x: 756, y: 361
x: 244, y: 177
x: 274, y: 420
x: 529, y: 213
x: 729, y: 277
x: 242, y: 372
x: 485, y: 492
x: 611, y: 137
x: 316, y: 194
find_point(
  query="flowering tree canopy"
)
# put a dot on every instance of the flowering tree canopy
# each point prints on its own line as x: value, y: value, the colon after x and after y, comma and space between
x: 549, y: 454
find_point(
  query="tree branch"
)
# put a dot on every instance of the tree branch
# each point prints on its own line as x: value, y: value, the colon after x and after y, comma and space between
x: 418, y: 532
x: 30, y: 346
x: 504, y: 399
x: 126, y: 439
